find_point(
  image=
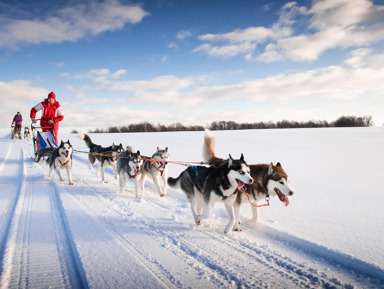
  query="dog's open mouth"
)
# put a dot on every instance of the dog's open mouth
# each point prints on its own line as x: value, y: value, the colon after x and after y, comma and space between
x: 65, y: 154
x: 240, y: 184
x: 282, y: 197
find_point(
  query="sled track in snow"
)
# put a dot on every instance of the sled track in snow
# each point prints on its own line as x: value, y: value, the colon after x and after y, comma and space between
x: 8, y: 213
x: 126, y: 243
x: 205, y: 259
x: 31, y: 248
x: 69, y: 252
x: 209, y: 257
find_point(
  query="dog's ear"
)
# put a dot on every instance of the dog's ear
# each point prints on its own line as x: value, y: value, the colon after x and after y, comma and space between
x: 270, y: 169
x: 230, y: 160
x: 138, y: 153
x: 158, y: 148
x: 242, y: 157
x: 166, y: 149
x: 278, y: 165
x: 68, y: 142
x: 61, y: 144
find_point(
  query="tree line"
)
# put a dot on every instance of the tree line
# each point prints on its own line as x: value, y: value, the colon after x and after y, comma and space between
x: 343, y: 121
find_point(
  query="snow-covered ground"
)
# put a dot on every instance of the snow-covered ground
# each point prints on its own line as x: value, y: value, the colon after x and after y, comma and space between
x: 89, y: 236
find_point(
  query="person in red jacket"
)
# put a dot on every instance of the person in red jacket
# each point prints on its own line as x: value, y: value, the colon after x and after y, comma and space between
x: 52, y: 114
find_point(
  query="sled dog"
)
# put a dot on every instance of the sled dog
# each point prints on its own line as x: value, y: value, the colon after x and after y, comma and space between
x: 129, y: 166
x: 61, y: 158
x: 105, y: 156
x: 269, y: 180
x: 156, y: 169
x: 27, y: 133
x: 204, y: 186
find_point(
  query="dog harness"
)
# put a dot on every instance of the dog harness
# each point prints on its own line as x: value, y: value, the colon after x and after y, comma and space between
x: 133, y: 176
x: 63, y: 164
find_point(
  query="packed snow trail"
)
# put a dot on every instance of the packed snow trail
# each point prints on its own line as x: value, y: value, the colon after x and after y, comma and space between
x: 89, y: 236
x: 36, y: 243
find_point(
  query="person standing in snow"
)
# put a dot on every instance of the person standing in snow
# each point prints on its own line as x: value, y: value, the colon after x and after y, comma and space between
x: 17, y: 121
x: 52, y: 114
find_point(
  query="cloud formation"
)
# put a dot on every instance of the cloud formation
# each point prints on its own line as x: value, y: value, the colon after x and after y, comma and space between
x: 70, y: 23
x: 331, y: 24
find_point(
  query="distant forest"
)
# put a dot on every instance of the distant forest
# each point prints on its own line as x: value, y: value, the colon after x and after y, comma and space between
x: 343, y: 121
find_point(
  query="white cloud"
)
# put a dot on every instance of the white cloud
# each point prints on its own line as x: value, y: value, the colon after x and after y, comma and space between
x: 226, y: 51
x: 70, y: 23
x: 181, y: 35
x: 22, y: 95
x: 332, y: 24
x: 98, y: 75
x: 363, y: 59
x: 191, y: 100
x: 252, y: 34
x: 362, y: 76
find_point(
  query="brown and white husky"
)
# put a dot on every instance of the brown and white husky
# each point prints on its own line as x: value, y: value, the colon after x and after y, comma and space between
x: 269, y: 180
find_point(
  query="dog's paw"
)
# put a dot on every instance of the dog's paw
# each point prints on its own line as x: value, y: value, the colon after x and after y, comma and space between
x: 62, y: 179
x: 71, y: 183
x: 198, y: 222
x: 162, y: 195
x: 238, y: 229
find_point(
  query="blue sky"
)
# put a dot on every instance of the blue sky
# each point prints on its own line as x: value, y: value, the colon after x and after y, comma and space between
x: 113, y: 63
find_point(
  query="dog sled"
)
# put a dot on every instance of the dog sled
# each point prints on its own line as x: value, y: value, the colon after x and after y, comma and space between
x: 43, y: 141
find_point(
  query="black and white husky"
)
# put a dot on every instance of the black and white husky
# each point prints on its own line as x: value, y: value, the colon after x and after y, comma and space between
x: 204, y: 186
x: 105, y: 156
x: 156, y: 167
x: 269, y: 180
x: 27, y: 133
x: 129, y: 166
x: 61, y: 158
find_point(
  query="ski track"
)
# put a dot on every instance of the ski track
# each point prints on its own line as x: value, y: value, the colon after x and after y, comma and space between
x: 36, y: 248
x: 171, y: 251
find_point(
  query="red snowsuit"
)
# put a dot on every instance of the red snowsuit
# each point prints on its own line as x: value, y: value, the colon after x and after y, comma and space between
x: 51, y: 111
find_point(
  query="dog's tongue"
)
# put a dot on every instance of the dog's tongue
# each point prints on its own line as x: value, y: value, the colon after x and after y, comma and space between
x: 285, y: 200
x: 282, y: 197
x: 240, y: 184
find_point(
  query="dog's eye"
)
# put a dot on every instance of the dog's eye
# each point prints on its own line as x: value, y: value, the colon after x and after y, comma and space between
x: 241, y: 172
x: 281, y: 182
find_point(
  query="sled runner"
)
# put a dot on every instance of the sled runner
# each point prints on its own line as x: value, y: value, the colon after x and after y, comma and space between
x: 43, y: 142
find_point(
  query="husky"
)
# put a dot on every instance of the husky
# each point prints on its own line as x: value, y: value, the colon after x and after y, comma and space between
x: 205, y: 186
x: 105, y: 156
x: 129, y: 166
x: 156, y: 169
x: 269, y: 180
x: 27, y: 133
x: 61, y: 158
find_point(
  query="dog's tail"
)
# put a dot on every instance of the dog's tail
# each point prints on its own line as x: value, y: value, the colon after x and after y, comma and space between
x: 209, y: 150
x: 174, y: 182
x: 86, y: 138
